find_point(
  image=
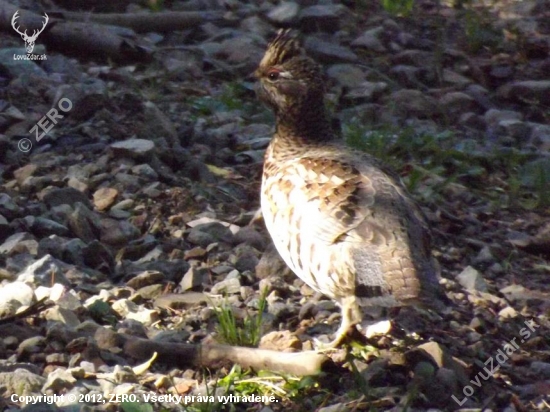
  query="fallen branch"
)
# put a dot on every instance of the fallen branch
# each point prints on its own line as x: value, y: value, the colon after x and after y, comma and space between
x: 146, y: 22
x: 185, y: 355
x: 34, y: 309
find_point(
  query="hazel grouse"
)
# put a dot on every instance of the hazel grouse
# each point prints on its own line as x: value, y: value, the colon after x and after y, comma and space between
x: 339, y: 219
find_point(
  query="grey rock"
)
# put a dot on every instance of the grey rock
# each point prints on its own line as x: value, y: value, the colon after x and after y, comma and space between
x: 494, y: 116
x: 21, y: 382
x: 418, y: 58
x: 134, y: 148
x: 370, y: 40
x: 114, y: 232
x: 21, y: 68
x: 271, y: 264
x: 471, y: 279
x: 285, y: 13
x: 45, y: 227
x: 540, y: 136
x: 172, y: 336
x: 73, y: 252
x: 516, y: 129
x: 180, y: 300
x: 130, y: 182
x: 321, y: 18
x: 66, y: 195
x: 347, y: 75
x: 194, y: 278
x: 97, y: 255
x: 251, y: 237
x: 145, y: 171
x: 145, y: 278
x: 208, y: 233
x: 456, y: 103
x: 13, y: 244
x: 527, y: 91
x: 84, y: 223
x: 406, y: 75
x: 326, y: 52
x: 65, y: 316
x: 34, y: 344
x: 8, y: 208
x: 245, y: 258
x: 44, y: 272
x: 281, y: 311
x: 228, y: 286
x: 541, y: 369
x: 18, y: 291
x: 409, y: 102
x: 455, y: 78
x: 366, y: 92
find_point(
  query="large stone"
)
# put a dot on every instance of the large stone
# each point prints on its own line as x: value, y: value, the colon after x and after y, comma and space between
x: 66, y: 195
x: 134, y: 148
x: 411, y: 102
x: 326, y: 52
x: 321, y: 17
x: 286, y: 13
x: 527, y: 91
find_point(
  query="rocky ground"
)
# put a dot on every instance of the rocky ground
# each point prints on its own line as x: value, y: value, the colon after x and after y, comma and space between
x: 135, y: 212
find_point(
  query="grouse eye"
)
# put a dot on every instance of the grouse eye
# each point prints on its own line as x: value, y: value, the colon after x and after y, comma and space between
x: 273, y: 75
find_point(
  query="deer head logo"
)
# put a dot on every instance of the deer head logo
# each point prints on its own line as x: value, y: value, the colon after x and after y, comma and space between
x: 29, y: 40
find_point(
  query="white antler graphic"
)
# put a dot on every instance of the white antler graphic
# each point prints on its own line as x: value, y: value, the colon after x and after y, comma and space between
x: 29, y: 40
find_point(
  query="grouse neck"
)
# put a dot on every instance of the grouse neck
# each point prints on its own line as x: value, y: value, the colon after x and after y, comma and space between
x: 307, y: 123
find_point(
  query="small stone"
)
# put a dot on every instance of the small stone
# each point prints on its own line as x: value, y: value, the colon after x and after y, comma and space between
x: 59, y: 380
x: 45, y: 271
x: 454, y: 103
x: 370, y: 40
x: 321, y: 17
x: 282, y: 341
x: 18, y: 291
x: 410, y: 102
x: 21, y: 382
x: 24, y: 172
x: 541, y: 369
x: 8, y: 207
x: 180, y: 300
x: 515, y: 129
x: 326, y: 52
x: 12, y: 245
x: 145, y: 171
x: 115, y: 232
x: 62, y: 315
x: 144, y: 279
x: 347, y: 75
x: 471, y: 279
x: 527, y: 91
x: 494, y: 116
x: 194, y: 253
x: 286, y: 13
x: 456, y: 79
x: 379, y: 328
x: 271, y: 265
x: 507, y: 312
x: 46, y: 227
x: 104, y: 198
x: 134, y: 148
x: 228, y: 286
x: 366, y: 92
x: 66, y: 195
x: 195, y: 277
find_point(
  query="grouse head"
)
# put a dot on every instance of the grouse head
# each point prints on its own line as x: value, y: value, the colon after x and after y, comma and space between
x: 290, y: 82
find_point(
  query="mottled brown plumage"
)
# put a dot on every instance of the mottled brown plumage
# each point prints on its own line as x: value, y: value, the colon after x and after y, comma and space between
x: 341, y: 221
